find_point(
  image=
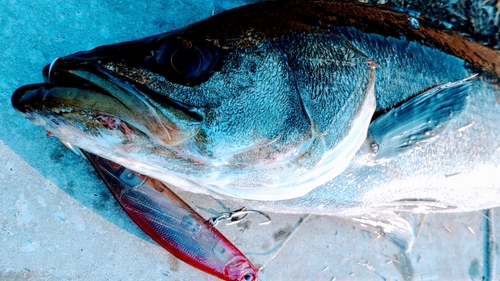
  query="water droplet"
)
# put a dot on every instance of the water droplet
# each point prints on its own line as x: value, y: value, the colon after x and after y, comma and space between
x: 413, y: 23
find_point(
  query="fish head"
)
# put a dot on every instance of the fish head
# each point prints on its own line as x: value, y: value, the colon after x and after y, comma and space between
x: 224, y: 104
x: 83, y: 95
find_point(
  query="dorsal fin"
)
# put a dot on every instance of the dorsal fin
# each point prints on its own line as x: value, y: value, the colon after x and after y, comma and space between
x: 417, y: 120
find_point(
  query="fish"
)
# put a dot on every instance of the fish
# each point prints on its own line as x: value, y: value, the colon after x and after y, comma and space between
x: 173, y: 224
x: 328, y: 108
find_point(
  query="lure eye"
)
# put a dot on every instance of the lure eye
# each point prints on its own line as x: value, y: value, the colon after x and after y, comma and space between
x: 187, y: 62
x: 248, y: 277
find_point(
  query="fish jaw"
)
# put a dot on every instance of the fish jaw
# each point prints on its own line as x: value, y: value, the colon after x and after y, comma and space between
x: 86, y: 97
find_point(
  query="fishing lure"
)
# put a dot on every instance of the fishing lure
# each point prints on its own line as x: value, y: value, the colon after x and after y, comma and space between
x: 172, y: 223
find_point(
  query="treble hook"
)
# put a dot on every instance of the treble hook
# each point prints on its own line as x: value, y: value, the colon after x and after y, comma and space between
x: 237, y: 215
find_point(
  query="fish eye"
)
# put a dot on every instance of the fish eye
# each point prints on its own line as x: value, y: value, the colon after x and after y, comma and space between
x: 186, y: 61
x: 247, y: 277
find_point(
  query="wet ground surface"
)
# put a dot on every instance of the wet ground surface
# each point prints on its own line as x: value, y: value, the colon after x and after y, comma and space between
x: 59, y: 222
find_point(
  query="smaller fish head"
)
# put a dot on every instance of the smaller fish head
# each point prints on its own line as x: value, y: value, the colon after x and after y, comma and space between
x: 241, y: 269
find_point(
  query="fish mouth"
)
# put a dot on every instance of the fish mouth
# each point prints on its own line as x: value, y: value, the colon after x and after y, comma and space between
x: 85, y: 95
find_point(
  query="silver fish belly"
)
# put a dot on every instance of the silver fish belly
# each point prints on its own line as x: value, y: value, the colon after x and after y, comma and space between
x: 281, y: 110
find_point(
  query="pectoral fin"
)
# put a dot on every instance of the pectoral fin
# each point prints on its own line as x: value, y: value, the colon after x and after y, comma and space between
x: 418, y: 120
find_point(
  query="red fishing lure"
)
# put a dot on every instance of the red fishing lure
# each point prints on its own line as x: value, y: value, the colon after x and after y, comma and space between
x: 173, y: 224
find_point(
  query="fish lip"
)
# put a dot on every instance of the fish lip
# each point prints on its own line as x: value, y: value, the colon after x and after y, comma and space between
x: 35, y: 100
x: 33, y: 96
x: 18, y: 98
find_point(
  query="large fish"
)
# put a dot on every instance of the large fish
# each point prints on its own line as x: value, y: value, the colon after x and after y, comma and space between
x: 309, y: 107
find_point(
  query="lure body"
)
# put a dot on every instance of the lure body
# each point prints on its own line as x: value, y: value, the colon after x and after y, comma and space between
x: 172, y: 223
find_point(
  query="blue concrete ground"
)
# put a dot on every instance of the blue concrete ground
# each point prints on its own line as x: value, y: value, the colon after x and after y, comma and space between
x: 59, y: 222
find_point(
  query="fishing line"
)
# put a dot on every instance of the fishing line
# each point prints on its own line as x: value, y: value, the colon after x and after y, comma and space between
x: 282, y: 243
x: 488, y: 217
